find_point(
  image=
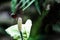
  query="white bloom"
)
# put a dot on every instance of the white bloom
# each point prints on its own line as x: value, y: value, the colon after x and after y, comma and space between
x: 13, y: 30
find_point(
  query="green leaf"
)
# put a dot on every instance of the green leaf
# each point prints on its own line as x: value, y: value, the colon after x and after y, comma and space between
x: 13, y: 5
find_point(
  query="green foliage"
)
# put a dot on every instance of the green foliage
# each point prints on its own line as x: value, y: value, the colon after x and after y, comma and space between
x: 24, y: 6
x: 37, y: 7
x: 24, y: 2
x: 56, y: 27
x: 34, y: 30
x: 13, y: 5
x: 36, y: 25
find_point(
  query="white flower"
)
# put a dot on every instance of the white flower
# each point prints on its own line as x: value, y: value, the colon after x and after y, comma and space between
x: 14, y: 32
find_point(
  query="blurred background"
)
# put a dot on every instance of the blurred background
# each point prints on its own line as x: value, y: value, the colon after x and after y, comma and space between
x: 45, y: 16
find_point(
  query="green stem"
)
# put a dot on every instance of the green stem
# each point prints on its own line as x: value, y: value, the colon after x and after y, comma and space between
x: 37, y: 25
